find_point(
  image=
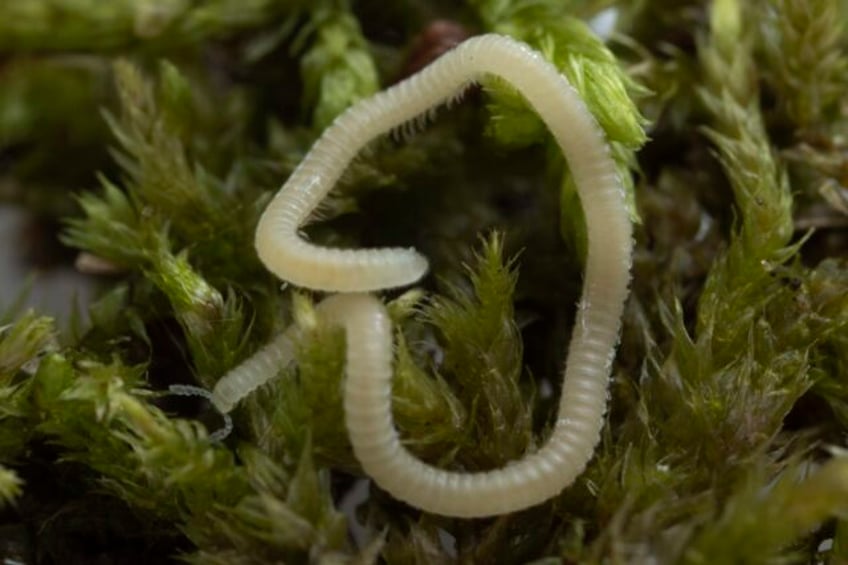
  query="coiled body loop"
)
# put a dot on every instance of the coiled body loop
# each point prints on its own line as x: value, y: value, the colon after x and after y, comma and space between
x: 367, y: 393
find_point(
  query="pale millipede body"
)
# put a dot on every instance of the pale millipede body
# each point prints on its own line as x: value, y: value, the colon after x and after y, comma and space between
x: 261, y: 367
x: 368, y: 390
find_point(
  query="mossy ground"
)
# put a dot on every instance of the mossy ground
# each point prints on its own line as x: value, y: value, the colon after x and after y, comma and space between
x: 155, y: 133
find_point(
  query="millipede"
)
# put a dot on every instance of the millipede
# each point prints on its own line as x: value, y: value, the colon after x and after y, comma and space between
x: 353, y: 274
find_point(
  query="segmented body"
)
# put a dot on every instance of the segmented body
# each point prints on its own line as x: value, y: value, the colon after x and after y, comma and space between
x: 367, y: 392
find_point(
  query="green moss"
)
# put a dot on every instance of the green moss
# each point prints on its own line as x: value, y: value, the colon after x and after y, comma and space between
x: 729, y: 396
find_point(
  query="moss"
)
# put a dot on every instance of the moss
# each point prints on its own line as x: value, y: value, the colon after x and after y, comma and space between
x: 728, y: 401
